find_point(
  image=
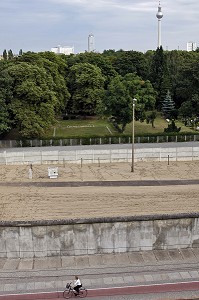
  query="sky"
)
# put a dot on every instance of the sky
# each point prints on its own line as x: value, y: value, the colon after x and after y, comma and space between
x: 39, y: 25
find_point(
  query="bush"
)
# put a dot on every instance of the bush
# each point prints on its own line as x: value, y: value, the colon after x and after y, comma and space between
x: 172, y: 127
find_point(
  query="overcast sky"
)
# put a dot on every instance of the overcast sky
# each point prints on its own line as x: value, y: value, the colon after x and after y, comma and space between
x: 38, y: 25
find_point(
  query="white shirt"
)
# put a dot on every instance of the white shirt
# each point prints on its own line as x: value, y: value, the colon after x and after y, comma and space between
x: 77, y: 282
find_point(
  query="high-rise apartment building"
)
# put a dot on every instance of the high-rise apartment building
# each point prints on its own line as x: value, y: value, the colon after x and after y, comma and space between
x: 91, y: 43
x: 191, y: 46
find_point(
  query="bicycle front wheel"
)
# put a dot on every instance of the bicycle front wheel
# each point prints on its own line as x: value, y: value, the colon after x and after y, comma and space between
x: 83, y: 293
x: 67, y: 294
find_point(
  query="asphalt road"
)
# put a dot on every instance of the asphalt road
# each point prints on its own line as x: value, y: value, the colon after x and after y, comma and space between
x: 107, y: 146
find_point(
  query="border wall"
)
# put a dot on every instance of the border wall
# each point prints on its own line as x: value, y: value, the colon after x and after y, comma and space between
x: 38, y: 156
x: 84, y: 237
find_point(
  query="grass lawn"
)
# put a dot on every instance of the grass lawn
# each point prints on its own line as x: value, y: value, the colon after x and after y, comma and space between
x: 84, y: 128
x: 100, y: 128
x: 160, y: 123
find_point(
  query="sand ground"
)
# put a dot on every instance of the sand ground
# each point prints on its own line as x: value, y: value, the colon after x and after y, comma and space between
x: 23, y: 203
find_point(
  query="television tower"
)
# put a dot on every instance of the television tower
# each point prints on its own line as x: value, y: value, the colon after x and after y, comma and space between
x: 159, y: 16
x: 91, y: 42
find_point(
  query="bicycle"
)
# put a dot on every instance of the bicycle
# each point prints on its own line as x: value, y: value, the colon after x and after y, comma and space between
x: 69, y: 292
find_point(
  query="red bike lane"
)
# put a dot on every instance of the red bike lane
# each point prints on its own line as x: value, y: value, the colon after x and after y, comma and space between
x: 115, y: 291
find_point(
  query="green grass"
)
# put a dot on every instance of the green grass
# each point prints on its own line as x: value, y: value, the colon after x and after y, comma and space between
x: 84, y: 128
x: 160, y: 123
x: 101, y: 128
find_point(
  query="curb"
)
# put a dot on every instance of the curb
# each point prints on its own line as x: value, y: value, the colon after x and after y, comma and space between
x: 115, y: 291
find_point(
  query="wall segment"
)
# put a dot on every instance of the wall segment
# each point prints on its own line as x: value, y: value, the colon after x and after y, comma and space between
x: 41, y: 156
x: 89, y: 237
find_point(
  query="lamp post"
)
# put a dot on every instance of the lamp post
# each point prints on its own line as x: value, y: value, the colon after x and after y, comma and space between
x: 132, y: 165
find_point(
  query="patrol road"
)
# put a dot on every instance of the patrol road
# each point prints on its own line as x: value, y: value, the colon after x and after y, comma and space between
x: 106, y: 146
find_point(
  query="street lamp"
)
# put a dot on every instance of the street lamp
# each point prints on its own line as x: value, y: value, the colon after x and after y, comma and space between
x: 132, y: 166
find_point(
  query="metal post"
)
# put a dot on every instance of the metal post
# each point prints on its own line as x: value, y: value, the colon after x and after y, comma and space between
x: 132, y: 165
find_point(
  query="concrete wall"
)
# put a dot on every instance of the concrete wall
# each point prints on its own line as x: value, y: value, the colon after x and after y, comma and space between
x: 97, y: 237
x: 37, y: 156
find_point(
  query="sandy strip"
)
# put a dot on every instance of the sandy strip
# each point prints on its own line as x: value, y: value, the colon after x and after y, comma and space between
x: 20, y: 203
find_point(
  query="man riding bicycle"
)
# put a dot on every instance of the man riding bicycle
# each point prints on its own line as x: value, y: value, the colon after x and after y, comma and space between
x: 77, y: 285
x: 74, y: 288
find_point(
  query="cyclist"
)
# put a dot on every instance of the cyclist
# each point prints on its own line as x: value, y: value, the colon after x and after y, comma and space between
x: 77, y: 285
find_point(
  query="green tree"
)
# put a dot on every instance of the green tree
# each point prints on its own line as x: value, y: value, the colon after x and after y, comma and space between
x: 86, y: 86
x: 5, y: 55
x: 189, y: 111
x: 4, y: 116
x: 118, y: 103
x: 150, y: 118
x: 55, y: 66
x: 143, y: 91
x: 101, y: 61
x: 159, y: 76
x: 186, y: 110
x: 126, y: 62
x: 188, y: 78
x: 34, y: 101
x: 168, y: 105
x: 174, y: 65
x: 172, y: 127
x: 10, y: 55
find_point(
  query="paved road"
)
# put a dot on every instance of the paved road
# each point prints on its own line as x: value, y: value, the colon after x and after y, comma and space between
x: 103, y: 147
x: 105, y: 271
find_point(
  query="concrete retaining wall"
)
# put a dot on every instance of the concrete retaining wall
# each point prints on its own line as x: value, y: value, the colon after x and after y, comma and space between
x: 98, y: 155
x: 98, y: 237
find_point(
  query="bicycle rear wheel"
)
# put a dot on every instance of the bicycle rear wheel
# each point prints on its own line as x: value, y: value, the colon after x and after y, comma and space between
x: 83, y: 292
x: 67, y: 294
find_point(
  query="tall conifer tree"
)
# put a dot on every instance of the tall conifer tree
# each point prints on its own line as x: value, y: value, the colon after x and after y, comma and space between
x: 168, y: 105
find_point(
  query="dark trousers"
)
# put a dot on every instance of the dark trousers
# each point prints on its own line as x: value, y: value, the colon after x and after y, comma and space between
x: 77, y: 287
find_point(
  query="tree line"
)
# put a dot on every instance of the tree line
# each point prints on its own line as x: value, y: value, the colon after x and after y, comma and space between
x: 37, y: 88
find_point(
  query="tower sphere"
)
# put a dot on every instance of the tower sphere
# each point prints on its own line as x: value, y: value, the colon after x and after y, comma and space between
x: 159, y: 14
